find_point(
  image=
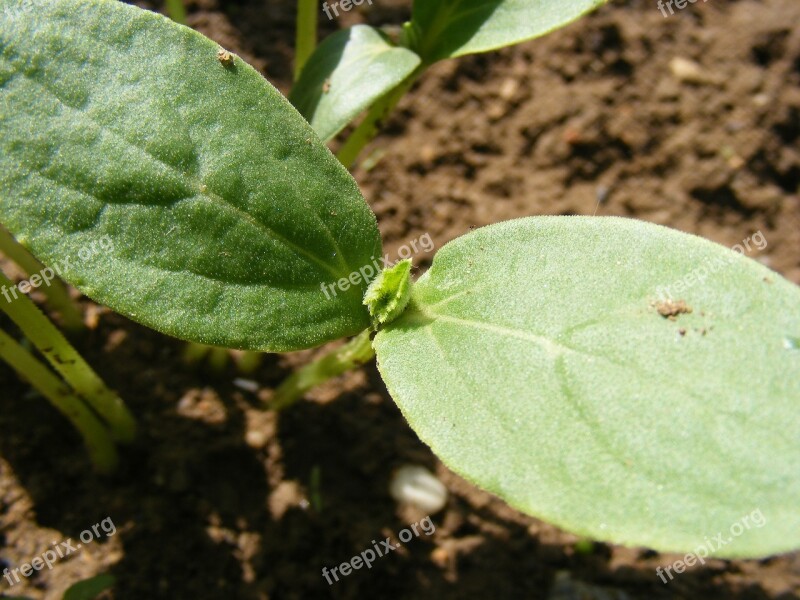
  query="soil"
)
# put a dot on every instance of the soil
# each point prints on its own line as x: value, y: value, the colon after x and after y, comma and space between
x: 691, y: 121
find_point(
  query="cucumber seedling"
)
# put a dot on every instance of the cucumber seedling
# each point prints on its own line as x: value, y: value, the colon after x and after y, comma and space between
x: 531, y: 356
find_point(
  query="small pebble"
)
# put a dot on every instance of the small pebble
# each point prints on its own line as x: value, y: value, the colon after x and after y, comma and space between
x: 509, y: 88
x: 441, y: 557
x: 761, y: 99
x: 248, y: 385
x: 415, y: 485
x: 256, y: 439
x: 687, y: 71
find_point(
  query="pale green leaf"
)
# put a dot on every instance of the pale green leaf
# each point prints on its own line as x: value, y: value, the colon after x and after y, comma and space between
x: 450, y: 28
x: 349, y: 71
x: 534, y: 360
x: 176, y: 187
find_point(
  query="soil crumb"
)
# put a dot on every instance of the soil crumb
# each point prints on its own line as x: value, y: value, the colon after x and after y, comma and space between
x: 670, y: 309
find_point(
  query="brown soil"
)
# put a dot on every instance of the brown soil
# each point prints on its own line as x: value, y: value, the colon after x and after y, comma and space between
x: 216, y: 498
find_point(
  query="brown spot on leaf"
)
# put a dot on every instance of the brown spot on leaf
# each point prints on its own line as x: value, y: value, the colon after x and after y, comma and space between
x: 670, y: 309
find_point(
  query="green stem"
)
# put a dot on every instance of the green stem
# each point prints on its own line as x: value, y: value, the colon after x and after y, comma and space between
x: 176, y: 11
x: 193, y: 352
x: 353, y: 354
x: 306, y: 35
x: 95, y: 436
x: 56, y: 291
x: 315, y: 488
x: 218, y: 359
x: 369, y: 127
x: 66, y: 360
x: 247, y: 362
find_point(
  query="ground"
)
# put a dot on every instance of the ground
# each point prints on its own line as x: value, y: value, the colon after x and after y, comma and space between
x: 690, y: 120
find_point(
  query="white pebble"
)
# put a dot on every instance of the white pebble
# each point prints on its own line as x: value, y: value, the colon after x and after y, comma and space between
x: 687, y: 70
x: 248, y: 385
x: 418, y: 487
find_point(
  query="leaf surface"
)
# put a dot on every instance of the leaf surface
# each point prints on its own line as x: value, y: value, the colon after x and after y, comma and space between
x: 347, y: 72
x: 176, y: 187
x: 450, y: 28
x: 534, y: 360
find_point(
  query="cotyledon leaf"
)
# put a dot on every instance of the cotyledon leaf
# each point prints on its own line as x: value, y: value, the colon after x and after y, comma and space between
x: 625, y: 381
x: 346, y: 73
x: 449, y: 28
x: 224, y: 213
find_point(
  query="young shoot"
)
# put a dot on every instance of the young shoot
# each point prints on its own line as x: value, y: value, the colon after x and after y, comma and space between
x: 531, y: 356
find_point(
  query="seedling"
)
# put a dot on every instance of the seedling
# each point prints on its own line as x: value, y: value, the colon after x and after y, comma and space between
x: 362, y: 68
x: 530, y: 356
x: 176, y: 11
x: 96, y: 412
x: 103, y: 416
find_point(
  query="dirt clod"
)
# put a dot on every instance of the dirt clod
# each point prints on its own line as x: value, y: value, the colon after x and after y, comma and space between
x: 670, y: 309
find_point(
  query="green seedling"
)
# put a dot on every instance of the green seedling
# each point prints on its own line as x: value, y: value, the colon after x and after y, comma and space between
x: 536, y: 357
x: 176, y: 11
x: 81, y: 384
x: 81, y: 396
x: 95, y: 435
x: 306, y: 34
x: 79, y: 380
x: 361, y: 68
x: 246, y: 362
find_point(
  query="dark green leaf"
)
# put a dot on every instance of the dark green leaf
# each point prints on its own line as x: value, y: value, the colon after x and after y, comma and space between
x: 347, y: 72
x: 450, y: 28
x: 205, y: 204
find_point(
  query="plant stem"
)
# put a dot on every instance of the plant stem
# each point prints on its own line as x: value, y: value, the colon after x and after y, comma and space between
x: 375, y: 118
x: 95, y: 436
x: 306, y: 34
x: 193, y: 352
x: 353, y: 354
x: 218, y: 359
x: 56, y: 291
x: 176, y: 11
x: 315, y: 488
x: 66, y: 360
x: 247, y: 361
